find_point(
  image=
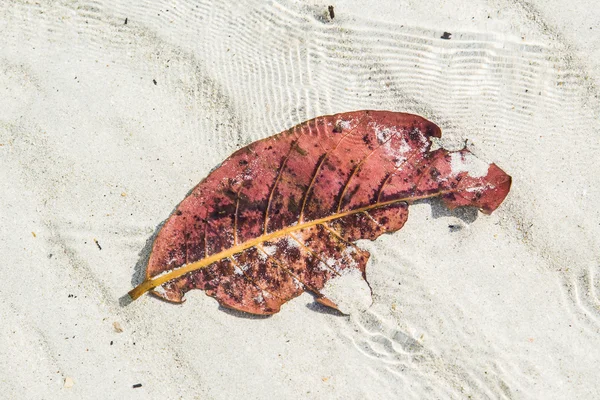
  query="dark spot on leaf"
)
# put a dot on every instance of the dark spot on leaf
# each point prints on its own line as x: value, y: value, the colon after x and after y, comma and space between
x: 414, y: 135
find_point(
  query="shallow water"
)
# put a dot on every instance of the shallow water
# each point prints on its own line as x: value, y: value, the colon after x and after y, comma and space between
x: 105, y: 126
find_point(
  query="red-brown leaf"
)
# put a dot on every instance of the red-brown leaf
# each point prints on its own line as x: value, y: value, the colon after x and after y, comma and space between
x: 281, y: 215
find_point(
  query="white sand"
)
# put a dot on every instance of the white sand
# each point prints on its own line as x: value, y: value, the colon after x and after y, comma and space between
x: 505, y: 306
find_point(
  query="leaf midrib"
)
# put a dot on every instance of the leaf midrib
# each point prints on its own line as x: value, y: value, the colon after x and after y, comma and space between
x: 164, y: 277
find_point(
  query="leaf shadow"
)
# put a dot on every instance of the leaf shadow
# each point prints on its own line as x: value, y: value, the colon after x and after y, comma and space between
x: 468, y: 215
x: 242, y: 314
x: 139, y: 270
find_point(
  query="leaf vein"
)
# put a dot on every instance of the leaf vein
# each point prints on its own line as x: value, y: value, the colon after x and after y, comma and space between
x: 249, y: 278
x: 314, y: 254
x: 355, y: 171
x: 281, y: 168
x: 318, y: 169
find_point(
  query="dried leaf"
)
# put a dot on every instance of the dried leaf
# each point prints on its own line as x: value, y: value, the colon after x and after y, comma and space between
x: 282, y: 215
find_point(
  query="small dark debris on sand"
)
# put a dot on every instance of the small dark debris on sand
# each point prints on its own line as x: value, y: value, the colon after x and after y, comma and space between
x: 446, y: 35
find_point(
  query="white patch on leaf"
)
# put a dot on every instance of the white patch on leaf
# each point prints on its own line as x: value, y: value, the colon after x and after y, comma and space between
x: 480, y: 188
x: 298, y: 284
x: 397, y: 153
x: 383, y: 134
x: 261, y: 256
x: 344, y: 124
x: 270, y: 250
x: 290, y: 242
